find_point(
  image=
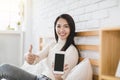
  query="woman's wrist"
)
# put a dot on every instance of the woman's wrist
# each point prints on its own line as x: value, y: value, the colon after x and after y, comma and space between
x: 58, y: 78
x: 37, y: 59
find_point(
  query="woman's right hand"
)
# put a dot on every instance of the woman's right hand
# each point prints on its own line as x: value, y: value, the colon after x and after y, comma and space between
x: 30, y: 57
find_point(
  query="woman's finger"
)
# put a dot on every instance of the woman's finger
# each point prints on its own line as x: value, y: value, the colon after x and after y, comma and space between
x: 30, y: 49
x: 66, y: 67
x: 52, y: 65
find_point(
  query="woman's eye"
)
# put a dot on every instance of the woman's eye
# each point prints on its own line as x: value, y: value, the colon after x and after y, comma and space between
x: 66, y: 26
x: 58, y: 26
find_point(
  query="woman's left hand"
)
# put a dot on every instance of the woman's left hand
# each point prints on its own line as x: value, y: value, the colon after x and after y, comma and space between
x: 59, y: 76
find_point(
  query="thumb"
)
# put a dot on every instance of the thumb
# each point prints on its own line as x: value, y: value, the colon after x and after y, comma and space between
x: 30, y: 48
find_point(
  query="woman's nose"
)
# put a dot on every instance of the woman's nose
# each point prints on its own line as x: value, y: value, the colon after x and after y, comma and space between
x: 62, y: 29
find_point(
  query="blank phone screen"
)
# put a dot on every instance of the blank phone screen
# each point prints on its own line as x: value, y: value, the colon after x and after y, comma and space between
x: 59, y: 62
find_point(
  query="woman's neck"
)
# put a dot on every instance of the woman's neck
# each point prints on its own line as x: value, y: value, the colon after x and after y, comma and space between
x: 62, y: 41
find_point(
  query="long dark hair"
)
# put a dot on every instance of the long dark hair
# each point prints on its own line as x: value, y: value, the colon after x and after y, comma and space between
x: 70, y: 39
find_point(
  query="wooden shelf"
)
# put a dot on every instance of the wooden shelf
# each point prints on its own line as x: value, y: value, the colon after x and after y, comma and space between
x: 109, y: 53
x: 109, y: 77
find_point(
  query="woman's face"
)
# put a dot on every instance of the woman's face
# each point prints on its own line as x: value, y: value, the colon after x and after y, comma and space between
x: 62, y: 29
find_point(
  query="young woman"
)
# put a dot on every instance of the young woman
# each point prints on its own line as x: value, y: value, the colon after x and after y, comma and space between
x: 64, y: 29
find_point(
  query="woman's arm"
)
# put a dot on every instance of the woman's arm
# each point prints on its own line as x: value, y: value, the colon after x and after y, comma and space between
x: 71, y: 59
x: 32, y: 58
x: 45, y: 51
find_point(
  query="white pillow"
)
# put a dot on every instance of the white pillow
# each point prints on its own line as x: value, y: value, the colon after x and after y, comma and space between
x: 83, y: 71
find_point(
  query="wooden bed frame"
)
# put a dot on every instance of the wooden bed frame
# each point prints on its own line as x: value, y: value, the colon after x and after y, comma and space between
x: 91, y: 33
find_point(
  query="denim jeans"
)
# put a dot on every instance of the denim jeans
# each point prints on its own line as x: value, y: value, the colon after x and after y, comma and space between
x: 10, y: 72
x: 43, y: 77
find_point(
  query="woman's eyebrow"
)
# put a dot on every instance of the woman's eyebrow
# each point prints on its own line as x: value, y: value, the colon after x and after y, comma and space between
x: 66, y: 24
x: 63, y: 24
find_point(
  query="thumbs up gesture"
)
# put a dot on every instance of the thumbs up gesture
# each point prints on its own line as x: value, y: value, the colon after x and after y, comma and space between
x: 30, y: 57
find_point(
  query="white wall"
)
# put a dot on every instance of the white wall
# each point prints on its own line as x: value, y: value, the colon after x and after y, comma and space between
x: 88, y: 14
x: 28, y: 39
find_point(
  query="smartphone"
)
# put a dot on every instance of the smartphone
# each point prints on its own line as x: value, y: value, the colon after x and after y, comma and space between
x: 59, y: 63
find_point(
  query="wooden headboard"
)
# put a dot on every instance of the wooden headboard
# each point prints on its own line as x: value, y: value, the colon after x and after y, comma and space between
x: 92, y: 47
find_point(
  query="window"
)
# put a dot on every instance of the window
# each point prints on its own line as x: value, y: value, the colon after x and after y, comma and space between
x: 11, y: 13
